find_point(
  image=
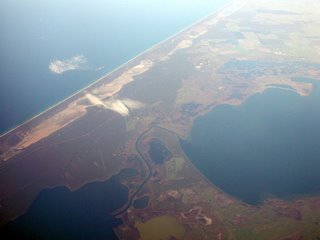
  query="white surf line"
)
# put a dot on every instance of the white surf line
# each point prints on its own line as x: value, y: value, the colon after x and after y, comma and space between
x: 122, y: 65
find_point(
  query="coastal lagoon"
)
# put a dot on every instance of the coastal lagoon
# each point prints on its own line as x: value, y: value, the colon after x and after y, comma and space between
x: 85, y: 214
x: 267, y: 146
x: 51, y: 49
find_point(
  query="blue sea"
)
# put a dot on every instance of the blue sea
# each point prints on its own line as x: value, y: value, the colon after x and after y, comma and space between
x: 51, y: 49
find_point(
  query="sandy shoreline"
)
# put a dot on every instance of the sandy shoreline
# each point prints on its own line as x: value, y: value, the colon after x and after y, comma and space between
x: 121, y: 66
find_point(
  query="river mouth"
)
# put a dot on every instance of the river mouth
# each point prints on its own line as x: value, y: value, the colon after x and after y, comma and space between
x: 268, y: 146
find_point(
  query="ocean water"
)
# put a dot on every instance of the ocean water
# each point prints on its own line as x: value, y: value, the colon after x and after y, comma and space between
x: 267, y: 146
x: 92, y: 37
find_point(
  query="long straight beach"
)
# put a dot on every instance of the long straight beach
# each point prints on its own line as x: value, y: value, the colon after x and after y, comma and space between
x: 119, y: 68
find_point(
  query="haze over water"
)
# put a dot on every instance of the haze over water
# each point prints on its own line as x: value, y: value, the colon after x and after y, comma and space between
x: 92, y: 37
x: 269, y: 145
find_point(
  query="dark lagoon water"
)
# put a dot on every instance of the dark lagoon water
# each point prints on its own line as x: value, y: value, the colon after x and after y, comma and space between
x: 84, y: 214
x: 141, y: 202
x: 105, y: 34
x: 269, y: 145
x: 158, y: 151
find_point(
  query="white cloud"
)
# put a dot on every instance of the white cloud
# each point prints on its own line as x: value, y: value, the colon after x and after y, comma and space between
x: 74, y: 63
x: 132, y: 104
x: 99, y: 68
x: 123, y: 106
x: 118, y: 106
